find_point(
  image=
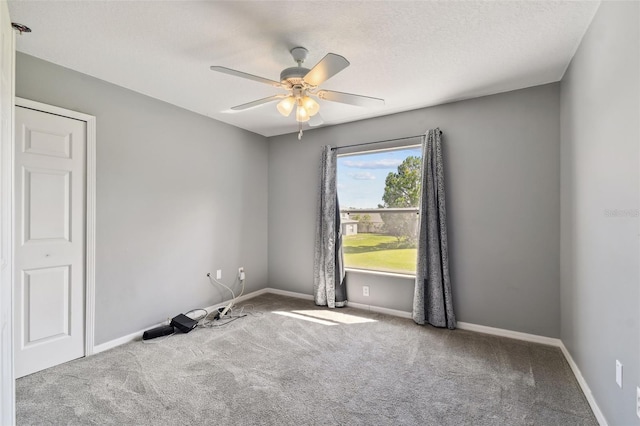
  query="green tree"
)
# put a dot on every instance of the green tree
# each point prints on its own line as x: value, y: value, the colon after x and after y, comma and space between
x: 402, y: 189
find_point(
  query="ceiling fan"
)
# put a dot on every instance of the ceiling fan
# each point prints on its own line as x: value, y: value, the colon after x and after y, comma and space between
x: 301, y: 85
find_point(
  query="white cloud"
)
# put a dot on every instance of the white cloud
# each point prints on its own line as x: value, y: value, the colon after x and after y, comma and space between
x: 383, y: 163
x: 362, y: 176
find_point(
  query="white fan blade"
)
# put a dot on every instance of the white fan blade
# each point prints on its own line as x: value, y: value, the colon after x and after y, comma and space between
x: 349, y: 98
x: 258, y: 102
x: 237, y: 73
x: 329, y: 66
x: 316, y: 121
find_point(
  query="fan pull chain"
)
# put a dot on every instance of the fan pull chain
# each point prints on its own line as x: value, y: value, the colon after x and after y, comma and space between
x: 300, y: 133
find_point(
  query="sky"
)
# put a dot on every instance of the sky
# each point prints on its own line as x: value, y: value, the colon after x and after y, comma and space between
x: 361, y: 177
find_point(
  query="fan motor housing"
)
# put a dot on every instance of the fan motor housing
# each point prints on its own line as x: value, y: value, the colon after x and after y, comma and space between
x: 293, y: 75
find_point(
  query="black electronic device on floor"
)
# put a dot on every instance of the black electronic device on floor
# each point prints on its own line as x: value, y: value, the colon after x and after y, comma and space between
x: 180, y: 322
x: 163, y: 330
x: 183, y: 323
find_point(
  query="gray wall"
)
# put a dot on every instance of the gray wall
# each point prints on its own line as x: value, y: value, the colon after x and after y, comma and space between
x: 178, y: 195
x: 502, y: 157
x: 600, y: 133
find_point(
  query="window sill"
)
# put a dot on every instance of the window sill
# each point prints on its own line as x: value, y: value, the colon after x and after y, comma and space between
x: 381, y: 273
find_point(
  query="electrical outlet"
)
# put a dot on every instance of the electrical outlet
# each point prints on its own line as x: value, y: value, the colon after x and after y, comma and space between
x: 638, y: 401
x: 365, y: 290
x: 619, y: 373
x: 241, y: 273
x: 219, y: 274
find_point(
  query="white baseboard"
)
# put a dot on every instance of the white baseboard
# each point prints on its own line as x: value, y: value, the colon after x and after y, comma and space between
x: 122, y: 340
x: 403, y: 314
x: 534, y: 338
x: 371, y: 308
x: 288, y: 293
x: 584, y: 386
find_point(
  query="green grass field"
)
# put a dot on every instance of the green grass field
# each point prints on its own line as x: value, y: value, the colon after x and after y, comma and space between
x: 378, y: 252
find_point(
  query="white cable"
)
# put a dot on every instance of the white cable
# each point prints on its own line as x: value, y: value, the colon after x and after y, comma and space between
x: 249, y: 309
x: 233, y: 296
x: 224, y: 312
x: 242, y: 291
x: 197, y: 318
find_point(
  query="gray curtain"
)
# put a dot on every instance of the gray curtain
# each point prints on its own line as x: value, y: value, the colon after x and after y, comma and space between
x: 329, y: 287
x: 432, y: 301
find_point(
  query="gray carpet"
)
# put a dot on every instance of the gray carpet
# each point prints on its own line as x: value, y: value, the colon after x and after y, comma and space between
x: 273, y: 369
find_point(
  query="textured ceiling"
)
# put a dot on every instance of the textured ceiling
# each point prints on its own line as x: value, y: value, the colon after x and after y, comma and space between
x: 412, y: 54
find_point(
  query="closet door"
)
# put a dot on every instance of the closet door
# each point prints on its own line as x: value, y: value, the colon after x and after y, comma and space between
x: 50, y: 175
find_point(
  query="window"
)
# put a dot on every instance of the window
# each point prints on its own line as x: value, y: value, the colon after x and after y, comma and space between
x: 379, y: 195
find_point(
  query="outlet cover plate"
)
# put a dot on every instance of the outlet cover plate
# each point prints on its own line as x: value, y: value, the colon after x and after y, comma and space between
x: 619, y: 373
x: 219, y: 274
x: 365, y: 290
x: 638, y: 401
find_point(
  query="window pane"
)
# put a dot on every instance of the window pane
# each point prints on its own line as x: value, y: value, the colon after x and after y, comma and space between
x: 389, y: 247
x: 379, y: 194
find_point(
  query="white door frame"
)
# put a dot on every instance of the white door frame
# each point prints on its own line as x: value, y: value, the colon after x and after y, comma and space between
x: 90, y: 248
x: 7, y: 381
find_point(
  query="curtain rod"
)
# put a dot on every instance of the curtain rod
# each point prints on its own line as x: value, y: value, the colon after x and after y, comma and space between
x: 371, y: 143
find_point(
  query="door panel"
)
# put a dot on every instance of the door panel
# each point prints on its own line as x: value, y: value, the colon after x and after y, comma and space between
x: 50, y: 178
x: 46, y: 143
x: 46, y: 201
x: 46, y: 304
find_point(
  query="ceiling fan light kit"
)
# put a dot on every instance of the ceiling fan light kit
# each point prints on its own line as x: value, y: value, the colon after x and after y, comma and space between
x: 286, y: 105
x: 310, y: 105
x: 301, y: 85
x: 302, y: 116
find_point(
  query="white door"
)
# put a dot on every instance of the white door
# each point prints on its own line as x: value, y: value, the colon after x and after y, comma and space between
x: 50, y: 174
